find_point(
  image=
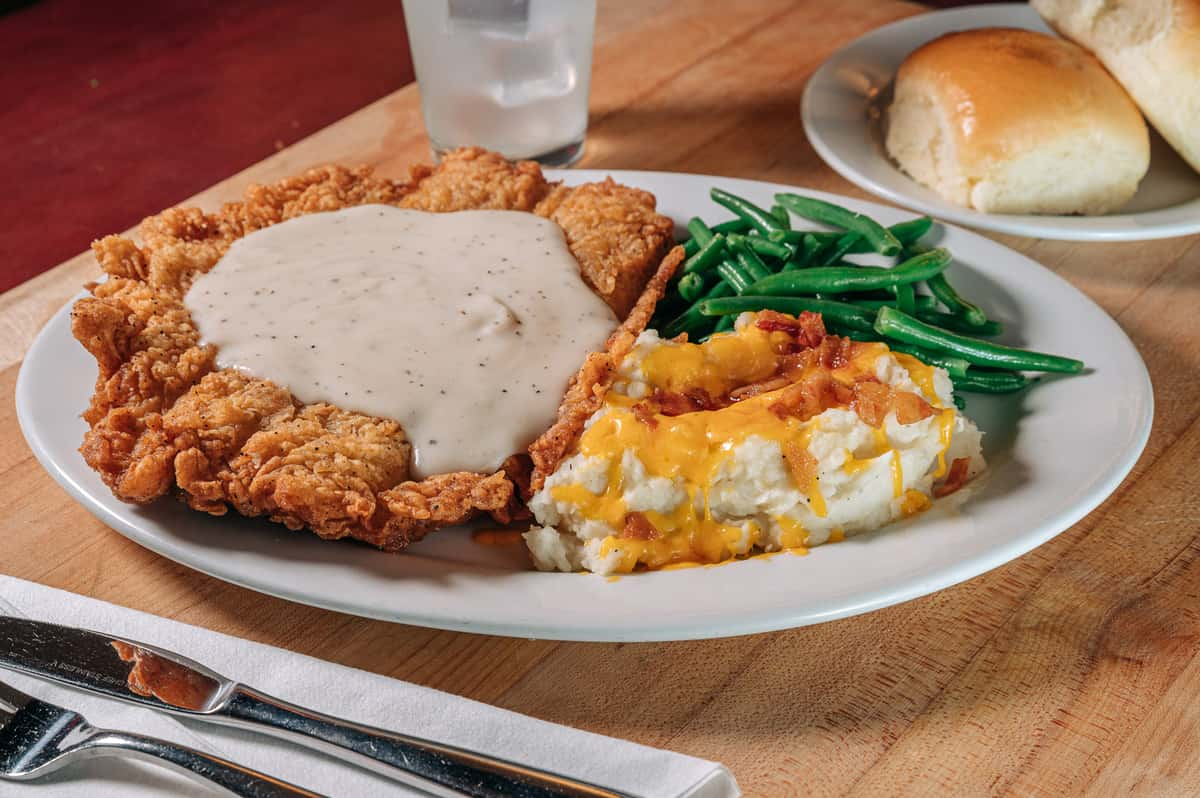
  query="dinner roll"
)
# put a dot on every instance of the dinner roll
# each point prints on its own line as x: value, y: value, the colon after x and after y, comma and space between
x: 1153, y: 48
x: 1012, y: 121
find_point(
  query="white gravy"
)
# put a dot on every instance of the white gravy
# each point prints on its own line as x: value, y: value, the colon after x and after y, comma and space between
x: 464, y: 327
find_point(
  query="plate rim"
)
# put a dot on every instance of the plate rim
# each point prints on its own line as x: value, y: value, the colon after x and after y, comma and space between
x: 693, y: 628
x: 1049, y: 227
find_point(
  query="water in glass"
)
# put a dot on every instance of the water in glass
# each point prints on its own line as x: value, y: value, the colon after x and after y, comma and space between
x: 508, y: 75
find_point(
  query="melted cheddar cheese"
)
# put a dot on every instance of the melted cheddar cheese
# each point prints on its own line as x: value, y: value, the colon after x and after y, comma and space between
x: 691, y: 450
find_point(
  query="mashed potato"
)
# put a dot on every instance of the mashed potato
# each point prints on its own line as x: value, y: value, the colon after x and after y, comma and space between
x: 768, y: 438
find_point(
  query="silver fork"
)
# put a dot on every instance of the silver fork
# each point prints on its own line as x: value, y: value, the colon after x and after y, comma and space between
x: 37, y: 737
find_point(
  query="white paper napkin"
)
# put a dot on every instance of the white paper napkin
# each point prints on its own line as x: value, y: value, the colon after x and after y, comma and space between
x: 345, y: 692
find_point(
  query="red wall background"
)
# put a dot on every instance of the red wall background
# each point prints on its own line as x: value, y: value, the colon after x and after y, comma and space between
x: 112, y: 111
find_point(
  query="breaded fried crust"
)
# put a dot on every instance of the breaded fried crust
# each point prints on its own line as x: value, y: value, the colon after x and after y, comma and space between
x: 614, y: 232
x: 585, y: 395
x: 164, y: 418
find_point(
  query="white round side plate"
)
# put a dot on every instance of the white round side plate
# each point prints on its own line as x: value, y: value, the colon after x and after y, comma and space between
x: 843, y: 108
x: 1049, y: 467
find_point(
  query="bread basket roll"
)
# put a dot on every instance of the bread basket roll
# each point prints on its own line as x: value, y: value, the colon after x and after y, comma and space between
x: 1153, y: 48
x: 1003, y: 120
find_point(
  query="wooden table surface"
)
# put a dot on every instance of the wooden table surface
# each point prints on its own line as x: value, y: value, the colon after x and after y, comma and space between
x: 1072, y: 669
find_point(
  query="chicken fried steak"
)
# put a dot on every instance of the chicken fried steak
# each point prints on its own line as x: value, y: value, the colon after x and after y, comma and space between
x: 165, y: 417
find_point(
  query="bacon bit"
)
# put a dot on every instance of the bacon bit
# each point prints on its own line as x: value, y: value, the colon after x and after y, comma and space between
x: 812, y: 327
x: 774, y: 321
x: 801, y: 464
x: 808, y: 328
x: 756, y: 388
x: 682, y: 338
x: 783, y: 406
x: 911, y: 408
x: 772, y: 325
x: 843, y: 394
x: 645, y: 412
x: 671, y: 403
x: 638, y: 527
x: 872, y: 401
x: 955, y: 479
x: 702, y: 400
x: 674, y: 403
x: 835, y: 352
x: 793, y: 365
x: 810, y: 397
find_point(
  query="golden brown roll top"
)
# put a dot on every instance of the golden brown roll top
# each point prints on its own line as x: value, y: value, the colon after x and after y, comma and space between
x: 1012, y: 121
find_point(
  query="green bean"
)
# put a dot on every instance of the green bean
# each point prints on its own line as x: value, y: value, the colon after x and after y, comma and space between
x: 883, y: 294
x: 955, y: 366
x: 732, y: 273
x: 893, y: 324
x: 782, y: 216
x: 840, y: 248
x: 924, y: 302
x: 845, y: 279
x: 692, y: 246
x: 734, y: 225
x: 809, y: 249
x: 707, y: 258
x: 906, y: 298
x: 765, y: 247
x: 970, y: 313
x: 841, y: 312
x: 752, y: 264
x: 691, y: 318
x: 972, y: 317
x: 806, y: 247
x: 955, y: 323
x: 879, y: 237
x: 822, y: 237
x: 748, y: 259
x: 907, y: 233
x: 670, y: 306
x: 759, y: 219
x: 987, y: 381
x: 691, y: 287
x: 833, y: 328
x: 913, y: 230
x: 701, y: 233
x: 798, y: 236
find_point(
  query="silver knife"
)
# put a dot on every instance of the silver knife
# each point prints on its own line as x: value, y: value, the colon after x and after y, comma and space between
x: 37, y: 738
x: 131, y: 671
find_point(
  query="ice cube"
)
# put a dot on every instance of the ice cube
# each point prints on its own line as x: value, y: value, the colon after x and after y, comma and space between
x: 532, y: 71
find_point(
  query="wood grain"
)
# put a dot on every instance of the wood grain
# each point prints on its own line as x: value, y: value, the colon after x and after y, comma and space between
x: 1070, y: 670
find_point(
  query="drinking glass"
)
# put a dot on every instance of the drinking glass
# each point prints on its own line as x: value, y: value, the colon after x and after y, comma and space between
x: 508, y: 75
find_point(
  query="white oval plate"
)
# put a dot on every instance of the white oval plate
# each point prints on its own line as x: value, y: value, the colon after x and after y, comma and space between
x: 842, y: 112
x: 1049, y: 467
